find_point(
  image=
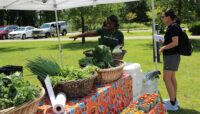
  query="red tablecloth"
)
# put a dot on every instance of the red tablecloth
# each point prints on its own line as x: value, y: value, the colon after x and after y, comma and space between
x: 109, y: 98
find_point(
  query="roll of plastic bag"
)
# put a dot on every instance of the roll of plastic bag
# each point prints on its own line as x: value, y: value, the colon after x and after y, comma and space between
x: 59, y: 105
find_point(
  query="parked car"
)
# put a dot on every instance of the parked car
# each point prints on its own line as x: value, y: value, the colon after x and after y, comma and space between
x: 49, y: 29
x: 62, y: 25
x: 4, y: 30
x: 46, y: 30
x: 21, y: 32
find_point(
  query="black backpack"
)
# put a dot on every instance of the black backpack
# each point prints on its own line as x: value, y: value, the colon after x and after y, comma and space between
x: 184, y: 46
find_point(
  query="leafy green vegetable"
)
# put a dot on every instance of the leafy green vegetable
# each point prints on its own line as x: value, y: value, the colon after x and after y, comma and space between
x: 71, y: 73
x: 102, y: 56
x: 16, y: 92
x: 43, y: 67
x: 86, y: 61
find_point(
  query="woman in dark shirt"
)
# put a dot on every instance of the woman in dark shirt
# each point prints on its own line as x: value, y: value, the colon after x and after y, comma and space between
x: 109, y: 34
x: 171, y: 58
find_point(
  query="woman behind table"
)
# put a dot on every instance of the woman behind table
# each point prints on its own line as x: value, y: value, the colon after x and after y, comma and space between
x: 109, y: 35
x: 171, y: 58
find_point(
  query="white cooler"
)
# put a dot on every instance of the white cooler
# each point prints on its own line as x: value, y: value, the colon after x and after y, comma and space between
x: 134, y: 69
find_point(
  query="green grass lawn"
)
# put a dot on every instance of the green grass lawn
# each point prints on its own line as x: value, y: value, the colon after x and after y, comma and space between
x: 139, y: 51
x: 142, y: 33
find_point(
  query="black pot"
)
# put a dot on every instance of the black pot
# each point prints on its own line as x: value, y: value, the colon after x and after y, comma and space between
x: 88, y: 53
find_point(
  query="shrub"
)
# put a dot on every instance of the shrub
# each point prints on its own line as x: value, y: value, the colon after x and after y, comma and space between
x: 194, y: 28
x: 133, y: 26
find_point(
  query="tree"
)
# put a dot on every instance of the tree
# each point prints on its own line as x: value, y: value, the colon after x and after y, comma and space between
x: 25, y: 18
x: 139, y: 7
x: 92, y: 16
x: 47, y: 16
x: 185, y: 9
x: 22, y: 18
x: 2, y: 17
x: 130, y: 16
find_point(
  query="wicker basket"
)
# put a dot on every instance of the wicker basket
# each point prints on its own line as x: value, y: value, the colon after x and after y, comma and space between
x: 76, y: 89
x: 26, y: 108
x: 111, y: 74
x: 119, y: 56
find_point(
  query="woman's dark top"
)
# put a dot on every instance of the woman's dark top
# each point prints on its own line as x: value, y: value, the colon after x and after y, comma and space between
x: 110, y: 39
x: 172, y: 31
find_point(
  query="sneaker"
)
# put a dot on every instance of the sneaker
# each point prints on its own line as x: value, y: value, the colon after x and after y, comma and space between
x: 169, y: 106
x: 168, y: 100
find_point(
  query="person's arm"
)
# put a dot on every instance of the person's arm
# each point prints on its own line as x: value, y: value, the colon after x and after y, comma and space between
x: 173, y: 44
x: 86, y: 34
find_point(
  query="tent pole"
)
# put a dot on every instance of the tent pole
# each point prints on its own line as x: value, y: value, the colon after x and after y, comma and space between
x: 153, y: 32
x: 57, y: 28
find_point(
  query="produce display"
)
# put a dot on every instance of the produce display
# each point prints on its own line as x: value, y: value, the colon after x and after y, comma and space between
x: 117, y: 50
x: 86, y: 61
x: 78, y: 82
x: 71, y: 73
x: 108, y: 98
x: 14, y: 91
x: 43, y: 67
x: 102, y: 58
x: 144, y: 104
x: 147, y: 102
x: 74, y: 82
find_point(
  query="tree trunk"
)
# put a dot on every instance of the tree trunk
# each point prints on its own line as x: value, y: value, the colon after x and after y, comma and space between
x: 6, y: 17
x: 83, y: 28
x: 40, y: 15
x: 128, y: 28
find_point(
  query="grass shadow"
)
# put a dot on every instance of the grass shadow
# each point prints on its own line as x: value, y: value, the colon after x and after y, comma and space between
x: 75, y: 45
x: 12, y: 49
x: 184, y: 111
x: 196, y: 45
x: 146, y: 46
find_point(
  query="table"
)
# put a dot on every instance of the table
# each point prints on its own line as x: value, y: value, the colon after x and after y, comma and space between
x: 109, y: 98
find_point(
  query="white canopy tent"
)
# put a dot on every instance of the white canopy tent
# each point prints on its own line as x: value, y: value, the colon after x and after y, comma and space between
x: 54, y: 5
